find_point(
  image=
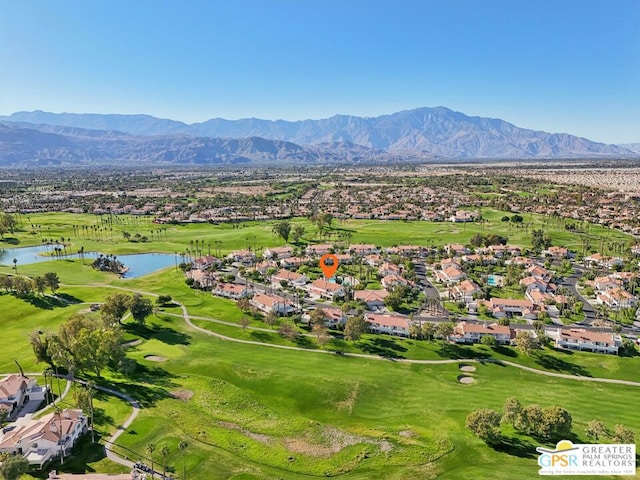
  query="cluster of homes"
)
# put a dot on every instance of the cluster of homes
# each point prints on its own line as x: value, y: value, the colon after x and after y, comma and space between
x: 38, y: 439
x: 612, y: 289
x: 541, y: 294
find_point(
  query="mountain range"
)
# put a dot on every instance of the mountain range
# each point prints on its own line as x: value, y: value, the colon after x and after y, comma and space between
x: 423, y: 134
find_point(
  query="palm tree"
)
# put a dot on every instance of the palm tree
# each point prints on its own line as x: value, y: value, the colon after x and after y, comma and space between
x: 164, y: 452
x: 150, y: 448
x: 182, y: 446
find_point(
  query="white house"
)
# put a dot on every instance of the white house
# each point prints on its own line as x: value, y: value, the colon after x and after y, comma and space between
x: 465, y: 290
x: 41, y: 440
x: 277, y: 253
x: 373, y: 298
x: 272, y: 303
x: 473, y: 332
x: 581, y: 339
x: 16, y: 390
x: 321, y: 288
x: 385, y: 323
x: 233, y: 290
x: 291, y: 278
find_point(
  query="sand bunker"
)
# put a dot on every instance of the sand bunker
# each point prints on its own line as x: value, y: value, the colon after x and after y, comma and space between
x: 467, y: 368
x: 155, y: 358
x: 465, y: 379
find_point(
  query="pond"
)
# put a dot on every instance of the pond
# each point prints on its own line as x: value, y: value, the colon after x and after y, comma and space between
x: 138, y: 264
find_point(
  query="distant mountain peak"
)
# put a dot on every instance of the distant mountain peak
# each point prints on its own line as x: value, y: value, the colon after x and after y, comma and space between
x: 439, y: 131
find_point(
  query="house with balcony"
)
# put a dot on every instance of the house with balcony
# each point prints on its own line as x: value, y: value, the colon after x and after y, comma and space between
x: 585, y: 340
x: 272, y: 303
x: 503, y: 307
x: 234, y: 291
x: 386, y: 323
x: 465, y: 291
x: 374, y: 299
x: 470, y: 333
x: 289, y: 278
x: 44, y: 439
x: 321, y: 288
x: 277, y: 253
x: 16, y: 390
x: 333, y: 317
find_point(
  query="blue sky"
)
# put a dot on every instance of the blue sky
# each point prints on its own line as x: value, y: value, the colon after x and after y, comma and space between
x: 557, y: 65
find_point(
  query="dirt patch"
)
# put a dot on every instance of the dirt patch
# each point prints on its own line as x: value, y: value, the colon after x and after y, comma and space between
x: 407, y: 433
x: 183, y: 395
x: 333, y: 441
x: 466, y: 379
x: 467, y: 368
x: 349, y: 402
x: 155, y: 358
x: 259, y: 437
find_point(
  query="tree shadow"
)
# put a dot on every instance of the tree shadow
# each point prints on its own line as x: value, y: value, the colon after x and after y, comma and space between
x: 164, y: 334
x: 50, y: 302
x: 260, y: 336
x: 65, y: 297
x: 384, y: 347
x: 553, y: 363
x: 147, y: 385
x: 304, y: 342
x: 516, y: 447
x: 506, y: 351
x: 456, y: 352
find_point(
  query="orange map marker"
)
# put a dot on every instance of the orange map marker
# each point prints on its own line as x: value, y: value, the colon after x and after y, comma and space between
x: 328, y: 270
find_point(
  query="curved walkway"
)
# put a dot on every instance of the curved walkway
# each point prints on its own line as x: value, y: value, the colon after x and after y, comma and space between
x: 111, y: 455
x: 187, y: 319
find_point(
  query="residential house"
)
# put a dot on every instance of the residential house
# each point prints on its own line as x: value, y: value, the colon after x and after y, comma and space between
x: 473, y: 332
x: 245, y: 257
x: 617, y: 298
x: 534, y: 283
x: 539, y: 272
x: 581, y: 339
x: 388, y: 268
x: 502, y: 307
x: 465, y: 291
x: 600, y: 260
x: 205, y: 262
x: 449, y: 275
x: 318, y: 250
x: 363, y: 249
x: 456, y: 249
x: 277, y: 253
x: 373, y: 298
x: 557, y: 253
x: 321, y: 288
x: 385, y: 323
x: 333, y: 317
x: 43, y: 439
x: 16, y: 390
x: 290, y: 278
x: 234, y: 291
x: 272, y: 303
x: 391, y: 281
x: 607, y: 282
